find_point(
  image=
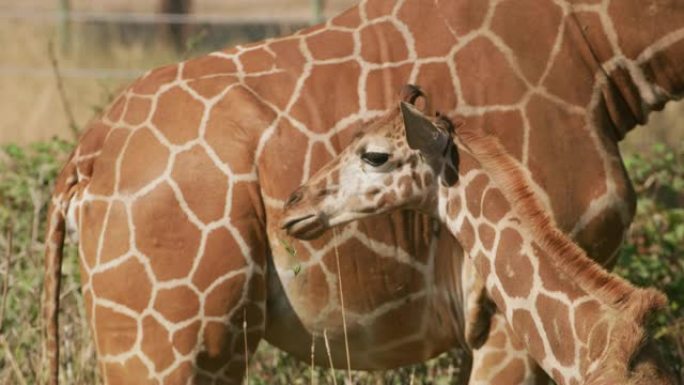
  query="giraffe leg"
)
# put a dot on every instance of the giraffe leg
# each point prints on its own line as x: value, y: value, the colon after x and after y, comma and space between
x: 170, y: 303
x: 502, y: 359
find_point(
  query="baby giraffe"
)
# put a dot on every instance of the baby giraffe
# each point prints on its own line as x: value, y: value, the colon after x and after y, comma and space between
x: 581, y: 324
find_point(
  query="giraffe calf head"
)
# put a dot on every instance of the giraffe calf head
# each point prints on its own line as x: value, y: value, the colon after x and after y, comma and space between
x: 395, y: 163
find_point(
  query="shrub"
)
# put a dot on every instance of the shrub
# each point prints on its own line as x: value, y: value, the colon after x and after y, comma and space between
x: 653, y: 254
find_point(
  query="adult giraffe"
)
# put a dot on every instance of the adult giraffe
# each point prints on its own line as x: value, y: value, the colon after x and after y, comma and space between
x: 242, y: 118
x: 580, y: 323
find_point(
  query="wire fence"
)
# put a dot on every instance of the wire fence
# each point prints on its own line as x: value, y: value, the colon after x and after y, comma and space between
x: 265, y: 24
x: 150, y: 18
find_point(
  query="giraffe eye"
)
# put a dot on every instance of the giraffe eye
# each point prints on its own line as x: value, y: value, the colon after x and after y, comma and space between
x: 375, y: 159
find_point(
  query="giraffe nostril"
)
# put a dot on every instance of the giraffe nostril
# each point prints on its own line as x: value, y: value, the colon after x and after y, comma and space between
x: 295, y: 198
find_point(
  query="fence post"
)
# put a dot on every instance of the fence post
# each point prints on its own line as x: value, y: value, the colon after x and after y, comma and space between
x: 317, y: 7
x: 64, y: 25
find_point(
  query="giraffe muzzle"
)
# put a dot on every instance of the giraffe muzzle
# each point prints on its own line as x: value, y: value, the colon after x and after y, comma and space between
x: 306, y: 226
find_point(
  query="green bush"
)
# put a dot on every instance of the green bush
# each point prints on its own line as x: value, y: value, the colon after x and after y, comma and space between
x: 652, y: 256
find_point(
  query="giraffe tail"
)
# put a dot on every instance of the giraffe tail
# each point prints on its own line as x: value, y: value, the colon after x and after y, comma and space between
x: 54, y: 244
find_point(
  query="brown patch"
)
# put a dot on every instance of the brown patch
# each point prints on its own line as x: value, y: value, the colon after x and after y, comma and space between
x: 555, y: 318
x: 570, y: 170
x: 133, y: 371
x: 156, y: 344
x: 349, y: 19
x: 571, y: 76
x: 411, y: 314
x: 434, y: 78
x: 655, y: 20
x: 92, y: 220
x: 492, y: 359
x: 116, y: 332
x: 377, y: 8
x: 487, y: 235
x: 383, y: 43
x: 316, y: 96
x: 211, y: 87
x: 322, y: 48
x: 178, y: 125
x: 208, y: 66
x: 150, y: 84
x: 180, y: 375
x: 495, y: 205
x: 116, y: 109
x: 482, y: 265
x: 486, y: 76
x: 474, y: 192
x: 217, y: 347
x: 467, y: 163
x: 225, y: 296
x: 164, y: 233
x: 185, y: 339
x: 386, y: 281
x: 526, y: 329
x: 257, y: 59
x: 552, y: 279
x: 414, y: 14
x: 513, y: 268
x: 405, y: 186
x: 383, y: 85
x: 247, y: 211
x: 126, y: 284
x: 90, y: 143
x: 320, y: 156
x: 529, y: 28
x: 508, y: 126
x: 177, y: 304
x: 513, y: 373
x: 602, y: 237
x: 206, y: 197
x: 104, y: 171
x: 587, y: 314
x: 289, y: 61
x: 471, y: 14
x: 428, y: 179
x: 497, y: 298
x: 497, y: 340
x: 137, y: 110
x: 221, y: 256
x: 466, y: 236
x: 388, y: 199
x: 144, y: 160
x: 234, y: 123
x: 598, y: 341
x: 285, y: 171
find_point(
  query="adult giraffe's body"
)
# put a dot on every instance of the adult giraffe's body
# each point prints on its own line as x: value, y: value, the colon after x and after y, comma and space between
x: 144, y: 192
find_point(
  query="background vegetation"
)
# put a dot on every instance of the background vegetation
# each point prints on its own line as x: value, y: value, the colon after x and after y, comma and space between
x: 36, y: 110
x: 652, y: 256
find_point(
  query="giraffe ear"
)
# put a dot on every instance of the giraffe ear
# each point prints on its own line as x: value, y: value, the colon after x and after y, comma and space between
x: 413, y: 94
x: 421, y: 133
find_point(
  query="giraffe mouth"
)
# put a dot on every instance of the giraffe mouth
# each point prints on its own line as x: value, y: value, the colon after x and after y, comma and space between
x: 308, y: 226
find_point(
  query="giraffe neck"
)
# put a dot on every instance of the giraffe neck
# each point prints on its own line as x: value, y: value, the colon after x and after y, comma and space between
x: 581, y: 324
x: 629, y: 53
